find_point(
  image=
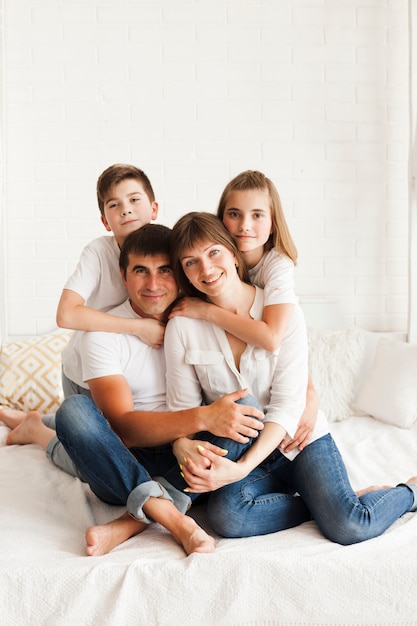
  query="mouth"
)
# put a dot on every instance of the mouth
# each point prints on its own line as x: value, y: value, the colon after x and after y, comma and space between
x: 129, y: 222
x: 213, y: 279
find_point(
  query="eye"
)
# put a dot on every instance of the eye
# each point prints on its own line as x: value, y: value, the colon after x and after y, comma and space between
x: 214, y: 251
x: 166, y: 270
x: 233, y: 214
x: 188, y: 263
x: 259, y: 216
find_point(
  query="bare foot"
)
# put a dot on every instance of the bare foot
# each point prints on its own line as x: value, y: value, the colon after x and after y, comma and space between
x: 11, y: 417
x: 27, y: 430
x: 412, y: 480
x: 193, y: 538
x: 101, y: 539
x: 362, y: 492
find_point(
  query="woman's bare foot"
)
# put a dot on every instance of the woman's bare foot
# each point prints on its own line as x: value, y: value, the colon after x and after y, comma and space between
x: 362, y: 492
x: 101, y: 539
x: 11, y: 417
x: 193, y: 538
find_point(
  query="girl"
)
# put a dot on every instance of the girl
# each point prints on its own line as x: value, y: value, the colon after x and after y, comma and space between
x: 251, y: 210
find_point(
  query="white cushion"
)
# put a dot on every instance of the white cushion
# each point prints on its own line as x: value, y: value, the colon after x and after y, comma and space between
x: 335, y: 358
x: 390, y: 392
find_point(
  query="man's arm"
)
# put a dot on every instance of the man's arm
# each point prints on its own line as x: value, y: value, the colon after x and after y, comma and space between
x: 223, y: 418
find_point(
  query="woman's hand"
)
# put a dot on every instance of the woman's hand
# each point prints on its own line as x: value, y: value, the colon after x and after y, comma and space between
x: 212, y: 470
x: 191, y: 307
x: 186, y: 450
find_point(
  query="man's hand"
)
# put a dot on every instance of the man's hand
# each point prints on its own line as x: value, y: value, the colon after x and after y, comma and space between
x: 225, y: 418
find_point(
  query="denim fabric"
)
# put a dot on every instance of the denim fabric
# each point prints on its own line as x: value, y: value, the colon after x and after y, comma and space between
x: 281, y: 493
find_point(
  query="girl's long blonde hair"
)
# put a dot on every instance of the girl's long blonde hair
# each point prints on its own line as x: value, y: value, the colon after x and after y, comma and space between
x: 280, y: 238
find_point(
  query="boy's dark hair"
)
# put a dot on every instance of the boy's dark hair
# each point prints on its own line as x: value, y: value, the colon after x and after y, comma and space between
x: 114, y: 175
x: 149, y: 240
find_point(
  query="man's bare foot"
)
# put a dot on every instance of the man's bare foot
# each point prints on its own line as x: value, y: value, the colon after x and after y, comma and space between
x: 11, y: 417
x: 101, y: 539
x: 193, y: 538
x: 362, y: 492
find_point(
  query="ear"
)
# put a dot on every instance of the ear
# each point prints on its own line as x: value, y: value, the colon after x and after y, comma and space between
x: 105, y: 223
x: 155, y: 208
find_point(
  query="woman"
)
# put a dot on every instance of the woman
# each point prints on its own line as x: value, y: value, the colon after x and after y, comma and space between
x: 264, y: 491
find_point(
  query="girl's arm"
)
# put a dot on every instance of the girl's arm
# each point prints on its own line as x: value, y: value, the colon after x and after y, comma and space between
x: 266, y: 333
x: 73, y: 314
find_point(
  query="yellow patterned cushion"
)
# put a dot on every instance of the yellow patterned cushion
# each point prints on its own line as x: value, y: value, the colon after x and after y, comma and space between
x: 30, y: 372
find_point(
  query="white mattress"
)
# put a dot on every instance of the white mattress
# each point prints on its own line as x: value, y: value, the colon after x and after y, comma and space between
x: 292, y: 577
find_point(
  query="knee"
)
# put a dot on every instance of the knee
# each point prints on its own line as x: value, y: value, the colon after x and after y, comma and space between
x: 346, y: 532
x: 223, y: 519
x: 72, y: 414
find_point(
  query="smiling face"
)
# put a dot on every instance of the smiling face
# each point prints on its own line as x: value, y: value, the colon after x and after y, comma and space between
x: 210, y: 268
x: 151, y: 285
x: 247, y: 217
x: 127, y: 208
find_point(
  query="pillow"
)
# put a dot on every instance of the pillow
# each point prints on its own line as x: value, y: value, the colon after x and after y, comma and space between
x: 335, y: 357
x: 390, y: 391
x: 30, y: 372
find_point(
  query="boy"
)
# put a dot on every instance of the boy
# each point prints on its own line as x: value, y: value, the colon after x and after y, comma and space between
x: 127, y: 202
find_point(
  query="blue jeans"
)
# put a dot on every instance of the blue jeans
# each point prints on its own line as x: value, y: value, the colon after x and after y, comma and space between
x: 281, y: 493
x: 116, y: 474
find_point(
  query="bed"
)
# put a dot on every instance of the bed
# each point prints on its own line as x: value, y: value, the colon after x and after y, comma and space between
x: 292, y: 577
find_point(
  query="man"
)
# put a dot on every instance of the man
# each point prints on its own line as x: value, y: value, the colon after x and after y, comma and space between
x: 119, y: 439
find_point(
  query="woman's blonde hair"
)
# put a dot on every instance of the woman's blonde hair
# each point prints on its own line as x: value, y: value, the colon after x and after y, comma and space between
x: 191, y: 229
x: 280, y: 238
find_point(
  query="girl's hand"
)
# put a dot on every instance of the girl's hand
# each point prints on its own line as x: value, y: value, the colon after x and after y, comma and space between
x: 191, y: 307
x: 218, y: 472
x: 150, y: 331
x: 187, y: 451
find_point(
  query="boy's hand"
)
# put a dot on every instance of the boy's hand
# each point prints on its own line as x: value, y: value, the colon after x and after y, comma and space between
x: 236, y: 421
x: 150, y: 331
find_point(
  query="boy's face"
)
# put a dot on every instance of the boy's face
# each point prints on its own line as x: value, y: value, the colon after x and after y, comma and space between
x: 150, y: 284
x: 127, y: 208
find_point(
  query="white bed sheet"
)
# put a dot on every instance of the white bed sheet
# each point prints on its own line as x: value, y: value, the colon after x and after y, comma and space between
x: 293, y: 577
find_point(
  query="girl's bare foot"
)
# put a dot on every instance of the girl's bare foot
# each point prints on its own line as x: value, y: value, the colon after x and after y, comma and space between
x: 101, y: 539
x: 11, y: 417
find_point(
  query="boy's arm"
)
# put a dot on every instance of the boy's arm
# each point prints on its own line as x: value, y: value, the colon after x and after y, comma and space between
x: 224, y: 417
x: 266, y: 333
x: 72, y: 313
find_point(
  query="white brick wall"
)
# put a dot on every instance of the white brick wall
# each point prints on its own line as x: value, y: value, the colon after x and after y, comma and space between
x: 312, y: 92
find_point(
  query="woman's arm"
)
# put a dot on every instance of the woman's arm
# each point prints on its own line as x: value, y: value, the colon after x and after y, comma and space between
x: 266, y: 333
x: 73, y: 314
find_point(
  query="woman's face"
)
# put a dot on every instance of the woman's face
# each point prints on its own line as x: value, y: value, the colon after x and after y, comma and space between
x: 210, y: 267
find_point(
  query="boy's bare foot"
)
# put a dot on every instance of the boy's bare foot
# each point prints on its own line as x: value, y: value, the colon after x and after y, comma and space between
x: 101, y: 539
x: 30, y: 430
x: 11, y: 417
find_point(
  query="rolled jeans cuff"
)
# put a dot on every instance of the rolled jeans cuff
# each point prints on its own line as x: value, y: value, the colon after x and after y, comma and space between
x: 413, y: 489
x: 179, y: 498
x: 140, y: 495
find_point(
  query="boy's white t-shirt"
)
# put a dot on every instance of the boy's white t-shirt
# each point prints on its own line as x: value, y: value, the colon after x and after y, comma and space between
x: 97, y: 280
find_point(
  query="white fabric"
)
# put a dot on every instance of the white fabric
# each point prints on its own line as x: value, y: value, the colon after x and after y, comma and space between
x: 275, y: 274
x: 335, y: 359
x: 109, y: 354
x: 200, y: 366
x: 390, y: 391
x: 294, y: 578
x: 97, y: 280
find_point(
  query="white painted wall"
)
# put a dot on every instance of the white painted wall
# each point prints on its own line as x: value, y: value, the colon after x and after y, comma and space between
x: 312, y: 92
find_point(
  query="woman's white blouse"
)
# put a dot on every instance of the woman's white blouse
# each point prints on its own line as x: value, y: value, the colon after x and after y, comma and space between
x: 201, y: 367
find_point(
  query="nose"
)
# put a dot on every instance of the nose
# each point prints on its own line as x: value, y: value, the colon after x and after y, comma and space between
x: 125, y: 208
x: 245, y: 224
x: 206, y: 264
x: 152, y: 282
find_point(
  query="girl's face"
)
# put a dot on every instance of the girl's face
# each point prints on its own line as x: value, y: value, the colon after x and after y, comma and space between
x: 247, y: 217
x: 210, y: 268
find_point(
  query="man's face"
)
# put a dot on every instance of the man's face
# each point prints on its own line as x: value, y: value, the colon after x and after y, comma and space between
x: 150, y: 284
